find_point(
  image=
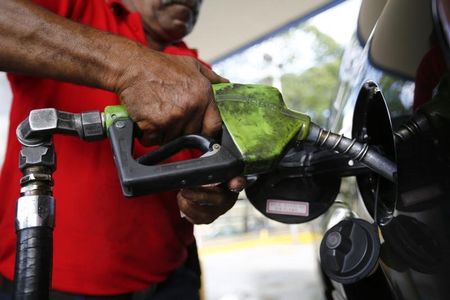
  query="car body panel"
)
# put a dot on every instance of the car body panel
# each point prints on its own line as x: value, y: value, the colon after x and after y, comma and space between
x: 414, y: 218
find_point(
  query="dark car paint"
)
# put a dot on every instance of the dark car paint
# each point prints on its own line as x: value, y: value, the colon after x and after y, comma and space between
x: 413, y: 216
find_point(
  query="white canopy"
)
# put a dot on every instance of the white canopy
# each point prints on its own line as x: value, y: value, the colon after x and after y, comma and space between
x: 225, y: 26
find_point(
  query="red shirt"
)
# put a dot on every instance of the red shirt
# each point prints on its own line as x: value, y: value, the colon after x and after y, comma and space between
x: 428, y: 75
x: 103, y: 243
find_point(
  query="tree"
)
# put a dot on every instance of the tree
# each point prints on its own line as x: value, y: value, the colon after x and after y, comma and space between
x: 312, y: 90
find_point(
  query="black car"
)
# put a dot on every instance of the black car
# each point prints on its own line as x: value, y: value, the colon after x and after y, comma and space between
x: 383, y: 239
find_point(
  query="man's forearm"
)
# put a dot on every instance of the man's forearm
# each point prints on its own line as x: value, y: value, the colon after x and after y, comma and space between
x: 38, y: 42
x: 166, y: 95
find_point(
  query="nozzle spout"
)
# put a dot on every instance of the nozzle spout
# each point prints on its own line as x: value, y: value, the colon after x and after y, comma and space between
x: 355, y: 150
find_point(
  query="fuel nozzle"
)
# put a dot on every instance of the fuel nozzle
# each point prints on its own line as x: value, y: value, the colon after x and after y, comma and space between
x: 263, y: 128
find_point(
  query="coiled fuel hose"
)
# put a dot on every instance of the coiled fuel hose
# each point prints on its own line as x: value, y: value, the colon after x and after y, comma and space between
x: 355, y: 150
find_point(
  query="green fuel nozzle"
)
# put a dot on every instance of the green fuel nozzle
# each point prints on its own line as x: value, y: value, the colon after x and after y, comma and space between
x: 259, y: 123
x: 258, y: 130
x: 263, y: 128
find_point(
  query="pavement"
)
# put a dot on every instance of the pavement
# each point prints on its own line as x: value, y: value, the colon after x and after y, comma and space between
x: 264, y: 267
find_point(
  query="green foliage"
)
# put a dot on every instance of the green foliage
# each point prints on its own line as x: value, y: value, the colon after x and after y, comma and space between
x: 311, y: 91
x: 324, y: 46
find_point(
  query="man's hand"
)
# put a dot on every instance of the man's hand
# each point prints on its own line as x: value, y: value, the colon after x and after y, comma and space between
x: 202, y: 205
x: 171, y: 98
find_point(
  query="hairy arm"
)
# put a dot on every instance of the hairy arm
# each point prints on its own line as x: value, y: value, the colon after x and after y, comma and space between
x: 37, y: 42
x: 166, y: 95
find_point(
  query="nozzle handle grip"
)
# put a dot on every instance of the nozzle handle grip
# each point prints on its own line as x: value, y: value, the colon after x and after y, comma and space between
x: 144, y: 175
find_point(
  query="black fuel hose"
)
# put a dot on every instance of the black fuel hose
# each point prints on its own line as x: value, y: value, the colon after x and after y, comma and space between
x: 32, y: 276
x: 35, y: 215
x: 417, y: 125
x: 355, y: 150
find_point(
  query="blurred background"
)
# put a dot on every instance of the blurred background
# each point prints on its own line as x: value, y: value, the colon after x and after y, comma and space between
x: 297, y: 47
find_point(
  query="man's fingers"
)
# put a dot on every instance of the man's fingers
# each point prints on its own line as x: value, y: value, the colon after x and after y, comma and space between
x: 203, y: 205
x: 212, y: 76
x: 203, y: 196
x: 237, y: 184
x: 193, y: 125
x: 177, y: 129
x: 150, y: 139
x: 195, y: 212
x: 211, y: 120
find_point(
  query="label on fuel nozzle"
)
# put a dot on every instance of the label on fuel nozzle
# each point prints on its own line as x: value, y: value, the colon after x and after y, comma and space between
x: 286, y: 207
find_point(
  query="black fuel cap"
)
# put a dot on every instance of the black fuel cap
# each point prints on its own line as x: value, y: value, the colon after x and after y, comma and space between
x: 349, y: 251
